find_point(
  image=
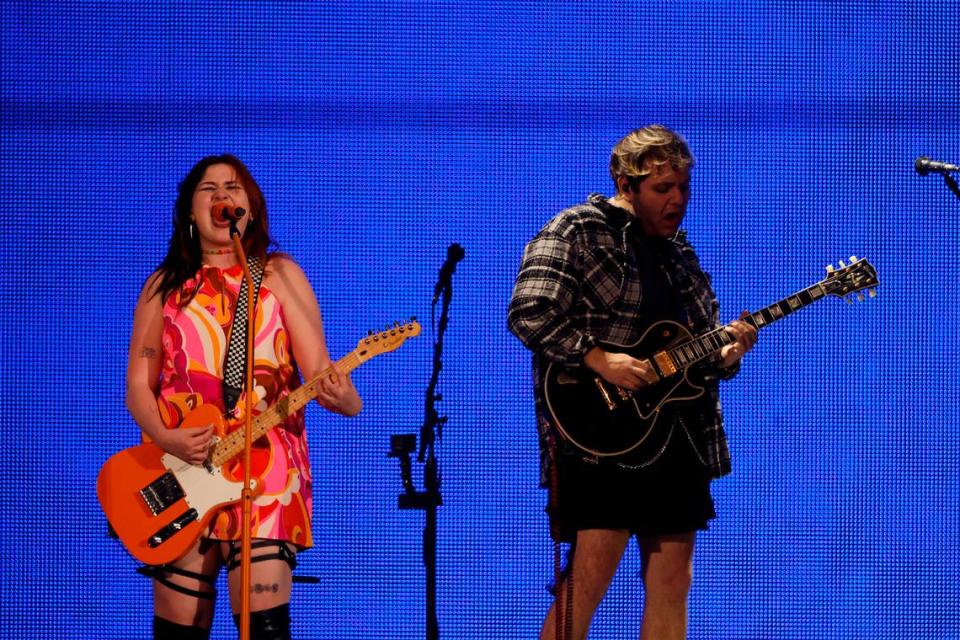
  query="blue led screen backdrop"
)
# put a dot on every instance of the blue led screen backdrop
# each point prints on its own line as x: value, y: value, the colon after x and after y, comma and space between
x: 381, y: 132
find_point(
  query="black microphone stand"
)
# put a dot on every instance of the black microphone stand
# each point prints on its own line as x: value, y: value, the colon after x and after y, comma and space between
x: 401, y: 446
x: 952, y: 184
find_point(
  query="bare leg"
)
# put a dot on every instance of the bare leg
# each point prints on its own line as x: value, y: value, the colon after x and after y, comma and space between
x: 667, y: 563
x: 595, y: 562
x: 270, y: 582
x: 181, y: 608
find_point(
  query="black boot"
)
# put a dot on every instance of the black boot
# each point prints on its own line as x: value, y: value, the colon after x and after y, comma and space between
x: 163, y: 629
x: 269, y: 624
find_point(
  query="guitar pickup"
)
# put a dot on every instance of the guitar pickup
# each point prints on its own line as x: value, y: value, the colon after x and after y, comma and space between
x: 665, y: 364
x: 162, y: 493
x: 168, y: 531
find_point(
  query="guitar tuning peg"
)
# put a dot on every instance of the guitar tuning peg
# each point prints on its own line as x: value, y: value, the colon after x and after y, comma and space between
x: 842, y: 264
x: 829, y: 268
x: 853, y: 259
x: 860, y: 297
x: 872, y: 293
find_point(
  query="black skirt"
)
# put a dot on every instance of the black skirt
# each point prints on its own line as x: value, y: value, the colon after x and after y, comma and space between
x: 669, y: 496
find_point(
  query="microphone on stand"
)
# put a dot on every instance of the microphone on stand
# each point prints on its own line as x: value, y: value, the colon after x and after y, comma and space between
x: 925, y: 165
x: 455, y: 254
x: 227, y: 213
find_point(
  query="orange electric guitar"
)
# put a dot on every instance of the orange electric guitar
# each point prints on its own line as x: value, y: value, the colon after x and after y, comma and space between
x: 159, y: 505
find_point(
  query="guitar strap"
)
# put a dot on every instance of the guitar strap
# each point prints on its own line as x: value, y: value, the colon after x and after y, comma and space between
x: 235, y: 361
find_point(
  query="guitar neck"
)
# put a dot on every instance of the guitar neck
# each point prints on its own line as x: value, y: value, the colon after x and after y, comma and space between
x: 232, y: 444
x: 706, y: 345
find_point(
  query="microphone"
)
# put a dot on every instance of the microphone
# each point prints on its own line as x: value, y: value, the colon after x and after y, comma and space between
x: 455, y: 254
x: 925, y: 165
x: 223, y: 211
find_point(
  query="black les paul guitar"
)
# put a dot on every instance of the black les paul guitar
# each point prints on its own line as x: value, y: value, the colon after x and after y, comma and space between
x: 606, y: 420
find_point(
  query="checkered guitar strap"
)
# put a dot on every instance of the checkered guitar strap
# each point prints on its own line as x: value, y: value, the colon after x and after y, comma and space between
x: 235, y: 363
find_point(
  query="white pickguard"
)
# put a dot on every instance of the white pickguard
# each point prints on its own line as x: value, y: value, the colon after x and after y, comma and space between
x: 205, y: 487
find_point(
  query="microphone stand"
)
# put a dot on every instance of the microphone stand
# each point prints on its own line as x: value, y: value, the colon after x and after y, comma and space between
x: 952, y: 184
x: 401, y: 446
x: 247, y: 494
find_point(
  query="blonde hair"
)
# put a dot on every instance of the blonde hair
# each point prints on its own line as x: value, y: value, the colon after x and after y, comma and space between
x: 641, y: 151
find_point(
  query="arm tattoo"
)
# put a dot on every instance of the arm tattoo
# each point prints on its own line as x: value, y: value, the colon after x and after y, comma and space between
x: 148, y: 352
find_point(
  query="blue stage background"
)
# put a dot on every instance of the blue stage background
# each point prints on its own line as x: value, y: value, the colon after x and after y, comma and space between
x: 381, y: 132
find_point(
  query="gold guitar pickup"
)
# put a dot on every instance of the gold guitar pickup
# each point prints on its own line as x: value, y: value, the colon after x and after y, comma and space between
x: 665, y: 364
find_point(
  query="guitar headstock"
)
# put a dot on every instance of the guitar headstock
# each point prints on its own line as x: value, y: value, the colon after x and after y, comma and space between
x: 851, y: 278
x: 390, y: 338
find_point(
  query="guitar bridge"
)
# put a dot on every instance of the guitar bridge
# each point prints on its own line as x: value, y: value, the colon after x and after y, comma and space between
x: 162, y: 493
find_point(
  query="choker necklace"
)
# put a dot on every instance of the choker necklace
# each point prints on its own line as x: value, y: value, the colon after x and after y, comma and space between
x: 218, y: 252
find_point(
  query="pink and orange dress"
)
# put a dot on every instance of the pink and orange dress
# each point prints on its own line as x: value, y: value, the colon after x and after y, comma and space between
x: 195, y: 339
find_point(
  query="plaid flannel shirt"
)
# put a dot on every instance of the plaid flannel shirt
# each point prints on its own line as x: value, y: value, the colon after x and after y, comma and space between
x: 579, y: 284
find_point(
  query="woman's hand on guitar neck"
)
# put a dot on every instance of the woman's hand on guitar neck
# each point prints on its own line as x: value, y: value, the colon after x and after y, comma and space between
x: 620, y: 369
x: 337, y: 393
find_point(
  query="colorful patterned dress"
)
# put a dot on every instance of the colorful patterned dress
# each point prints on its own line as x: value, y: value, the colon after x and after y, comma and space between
x: 195, y: 339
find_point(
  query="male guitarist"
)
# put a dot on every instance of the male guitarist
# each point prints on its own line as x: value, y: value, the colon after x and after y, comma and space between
x: 598, y: 275
x: 181, y: 327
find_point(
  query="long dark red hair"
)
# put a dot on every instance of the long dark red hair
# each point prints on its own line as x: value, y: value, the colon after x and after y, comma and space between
x: 184, y: 257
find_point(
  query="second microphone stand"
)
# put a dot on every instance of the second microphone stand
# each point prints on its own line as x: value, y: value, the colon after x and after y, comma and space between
x: 401, y: 446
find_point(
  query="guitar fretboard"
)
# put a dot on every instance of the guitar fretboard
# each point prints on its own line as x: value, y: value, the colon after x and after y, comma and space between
x: 706, y: 345
x: 232, y: 444
x: 372, y: 345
